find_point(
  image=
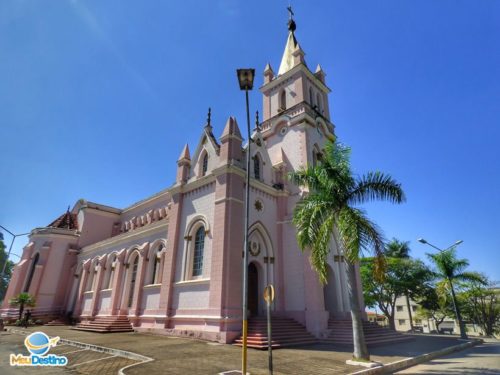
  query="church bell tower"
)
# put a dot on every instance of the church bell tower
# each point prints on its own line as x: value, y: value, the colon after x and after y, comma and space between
x: 295, y: 101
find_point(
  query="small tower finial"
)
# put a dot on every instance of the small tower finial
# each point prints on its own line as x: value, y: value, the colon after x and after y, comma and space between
x: 257, y: 125
x: 208, y: 116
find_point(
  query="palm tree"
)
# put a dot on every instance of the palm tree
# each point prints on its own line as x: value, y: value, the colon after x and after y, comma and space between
x: 397, y: 249
x: 451, y: 270
x: 23, y: 300
x: 329, y: 210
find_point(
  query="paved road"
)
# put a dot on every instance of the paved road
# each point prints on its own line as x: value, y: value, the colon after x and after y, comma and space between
x: 80, y: 361
x: 482, y: 359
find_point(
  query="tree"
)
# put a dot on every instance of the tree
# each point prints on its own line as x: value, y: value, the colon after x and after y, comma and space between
x: 397, y: 249
x: 23, y: 300
x: 381, y: 293
x: 403, y: 277
x: 4, y: 280
x: 433, y: 305
x: 329, y: 212
x: 481, y: 305
x: 451, y: 270
x: 413, y: 275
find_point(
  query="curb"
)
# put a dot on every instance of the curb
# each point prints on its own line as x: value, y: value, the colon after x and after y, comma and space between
x: 412, y: 361
x: 97, y: 348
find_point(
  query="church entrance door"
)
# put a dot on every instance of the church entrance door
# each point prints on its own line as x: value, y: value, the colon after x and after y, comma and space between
x: 253, y: 290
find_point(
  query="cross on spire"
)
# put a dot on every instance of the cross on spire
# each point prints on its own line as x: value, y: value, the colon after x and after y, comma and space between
x: 257, y: 127
x: 291, y: 23
x: 208, y: 116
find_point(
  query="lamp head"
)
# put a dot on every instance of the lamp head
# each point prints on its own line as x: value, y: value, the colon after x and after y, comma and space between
x: 458, y: 242
x: 245, y: 78
x: 421, y: 240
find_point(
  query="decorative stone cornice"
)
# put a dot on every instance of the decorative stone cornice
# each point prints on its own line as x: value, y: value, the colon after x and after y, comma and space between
x: 299, y: 68
x: 299, y: 114
x: 145, y: 201
x: 50, y: 232
x: 125, y: 237
x: 192, y: 184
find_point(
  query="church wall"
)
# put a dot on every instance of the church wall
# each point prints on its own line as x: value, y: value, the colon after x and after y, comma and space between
x: 52, y: 271
x: 293, y: 95
x: 145, y: 212
x: 95, y: 225
x: 194, y: 294
x: 293, y: 267
x: 138, y: 238
x: 267, y: 227
x: 292, y: 144
x: 150, y: 297
x: 104, y: 304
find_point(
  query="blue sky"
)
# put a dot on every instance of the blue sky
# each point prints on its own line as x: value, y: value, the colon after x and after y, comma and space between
x: 98, y: 98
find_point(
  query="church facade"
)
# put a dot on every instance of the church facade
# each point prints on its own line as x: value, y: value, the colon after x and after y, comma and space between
x: 172, y: 263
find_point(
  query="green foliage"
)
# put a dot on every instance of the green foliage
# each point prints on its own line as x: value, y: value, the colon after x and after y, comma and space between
x: 23, y: 300
x: 434, y: 305
x: 403, y: 277
x: 448, y: 267
x: 329, y: 209
x: 451, y: 271
x: 4, y: 281
x: 481, y: 305
x: 397, y: 249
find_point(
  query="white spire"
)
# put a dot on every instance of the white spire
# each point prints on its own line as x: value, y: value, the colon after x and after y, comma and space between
x: 287, y: 60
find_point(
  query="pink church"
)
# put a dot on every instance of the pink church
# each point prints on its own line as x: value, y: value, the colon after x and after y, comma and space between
x: 172, y: 262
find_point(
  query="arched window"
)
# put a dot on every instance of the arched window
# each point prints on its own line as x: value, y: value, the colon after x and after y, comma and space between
x: 311, y: 97
x: 199, y: 247
x: 318, y: 102
x: 204, y: 166
x: 283, y: 100
x: 256, y: 167
x: 94, y: 277
x: 110, y: 273
x: 32, y: 272
x: 133, y: 276
x: 91, y: 277
x: 155, y: 271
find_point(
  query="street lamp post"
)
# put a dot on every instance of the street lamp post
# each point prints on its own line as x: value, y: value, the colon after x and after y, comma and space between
x: 14, y: 236
x: 245, y: 79
x: 463, y: 334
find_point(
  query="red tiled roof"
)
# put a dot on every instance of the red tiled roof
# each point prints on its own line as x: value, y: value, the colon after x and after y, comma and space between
x: 66, y: 221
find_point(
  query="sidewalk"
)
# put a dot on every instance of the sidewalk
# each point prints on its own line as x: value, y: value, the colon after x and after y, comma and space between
x: 190, y: 356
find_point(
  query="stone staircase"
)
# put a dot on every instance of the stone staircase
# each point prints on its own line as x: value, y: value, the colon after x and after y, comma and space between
x: 57, y: 322
x: 106, y: 324
x: 285, y: 332
x: 341, y: 333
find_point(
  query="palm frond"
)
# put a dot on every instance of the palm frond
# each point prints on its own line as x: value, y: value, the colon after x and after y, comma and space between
x: 376, y: 186
x: 321, y: 247
x: 308, y: 216
x: 358, y: 233
x: 471, y: 276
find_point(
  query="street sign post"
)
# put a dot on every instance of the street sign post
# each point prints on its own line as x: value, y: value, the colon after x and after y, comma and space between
x: 269, y: 298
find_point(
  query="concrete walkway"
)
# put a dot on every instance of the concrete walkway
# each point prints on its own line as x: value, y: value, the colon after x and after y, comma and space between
x: 190, y: 356
x: 483, y: 359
